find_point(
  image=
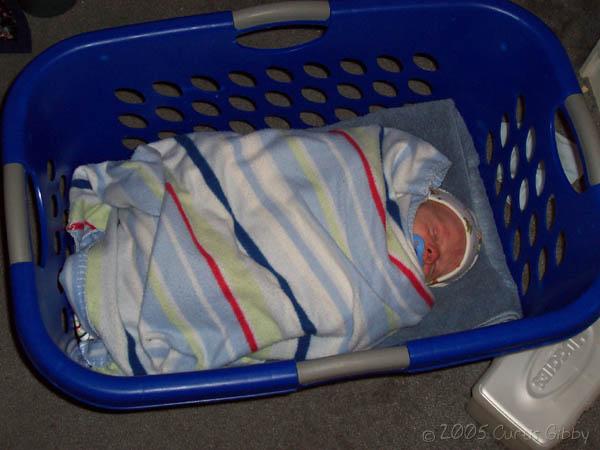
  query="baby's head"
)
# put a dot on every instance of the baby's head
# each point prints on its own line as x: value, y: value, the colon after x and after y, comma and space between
x: 451, y: 238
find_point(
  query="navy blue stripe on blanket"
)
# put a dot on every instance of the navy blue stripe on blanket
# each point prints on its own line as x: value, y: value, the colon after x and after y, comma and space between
x: 390, y: 205
x: 134, y: 362
x: 81, y: 184
x: 249, y: 245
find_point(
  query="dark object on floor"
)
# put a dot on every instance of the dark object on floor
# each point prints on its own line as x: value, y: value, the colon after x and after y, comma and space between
x: 14, y: 29
x: 46, y: 8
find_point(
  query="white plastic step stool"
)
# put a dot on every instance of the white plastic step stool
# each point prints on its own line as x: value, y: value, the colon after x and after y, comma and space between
x: 591, y: 71
x: 532, y: 399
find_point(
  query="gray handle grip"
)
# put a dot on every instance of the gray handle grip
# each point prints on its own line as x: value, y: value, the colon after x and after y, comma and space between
x: 280, y: 12
x: 367, y: 362
x: 588, y: 135
x: 15, y: 207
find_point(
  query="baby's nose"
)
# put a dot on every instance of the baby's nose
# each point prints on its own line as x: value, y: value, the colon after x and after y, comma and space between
x: 431, y: 255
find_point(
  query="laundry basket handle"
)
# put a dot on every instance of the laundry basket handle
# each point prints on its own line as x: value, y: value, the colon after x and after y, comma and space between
x: 15, y: 205
x: 588, y: 135
x: 281, y: 12
x: 355, y: 364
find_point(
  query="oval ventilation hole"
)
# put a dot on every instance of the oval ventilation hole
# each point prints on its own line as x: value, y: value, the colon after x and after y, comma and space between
x: 204, y: 128
x: 523, y: 194
x: 514, y: 161
x: 129, y: 96
x: 53, y: 205
x: 65, y: 217
x: 169, y: 114
x: 166, y: 134
x: 70, y: 246
x: 167, y: 89
x: 559, y: 251
x: 489, y: 147
x: 240, y: 126
x: 312, y: 119
x: 277, y: 122
x: 131, y: 143
x: 56, y: 243
x: 569, y: 152
x: 425, y: 62
x: 525, y: 279
x: 206, y: 108
x: 278, y: 99
x: 530, y: 144
x: 35, y: 225
x: 499, y: 178
x: 349, y: 91
x: 50, y: 170
x: 344, y: 114
x: 516, y: 245
x: 540, y: 178
x: 384, y: 88
x: 281, y: 37
x: 550, y: 212
x: 133, y: 121
x: 542, y: 263
x: 316, y: 70
x: 420, y: 87
x: 62, y: 186
x: 314, y: 95
x: 389, y: 64
x: 504, y: 125
x: 520, y: 111
x: 507, y: 210
x: 242, y: 103
x: 353, y: 66
x: 279, y: 75
x: 374, y: 108
x: 243, y: 79
x: 204, y: 84
x: 532, y: 230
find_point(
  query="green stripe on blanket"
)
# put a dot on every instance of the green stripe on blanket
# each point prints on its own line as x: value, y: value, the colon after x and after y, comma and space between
x: 245, y: 288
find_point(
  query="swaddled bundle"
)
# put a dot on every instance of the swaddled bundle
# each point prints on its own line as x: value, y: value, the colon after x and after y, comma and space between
x: 213, y: 249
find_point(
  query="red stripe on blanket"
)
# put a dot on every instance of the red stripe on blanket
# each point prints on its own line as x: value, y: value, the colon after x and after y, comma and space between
x: 368, y: 172
x: 216, y: 273
x: 80, y: 226
x: 414, y: 280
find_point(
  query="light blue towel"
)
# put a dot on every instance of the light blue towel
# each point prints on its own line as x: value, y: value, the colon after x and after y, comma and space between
x: 488, y: 293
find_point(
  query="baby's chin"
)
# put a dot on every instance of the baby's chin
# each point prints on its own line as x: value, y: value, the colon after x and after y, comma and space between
x: 426, y: 271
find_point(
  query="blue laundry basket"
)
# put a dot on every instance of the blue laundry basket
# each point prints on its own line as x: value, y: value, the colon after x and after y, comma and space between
x: 92, y: 97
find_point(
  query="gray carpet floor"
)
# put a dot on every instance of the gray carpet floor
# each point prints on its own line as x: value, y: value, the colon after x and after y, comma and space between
x: 386, y: 412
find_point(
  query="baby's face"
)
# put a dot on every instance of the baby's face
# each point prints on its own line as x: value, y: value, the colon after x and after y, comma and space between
x: 444, y: 236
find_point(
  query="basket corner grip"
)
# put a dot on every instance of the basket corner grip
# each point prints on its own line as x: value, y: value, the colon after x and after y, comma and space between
x: 15, y: 207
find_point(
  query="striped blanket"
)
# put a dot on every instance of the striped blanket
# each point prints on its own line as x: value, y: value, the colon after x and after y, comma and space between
x: 214, y: 249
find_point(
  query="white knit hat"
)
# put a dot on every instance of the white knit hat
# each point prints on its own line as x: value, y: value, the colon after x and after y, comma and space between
x: 472, y: 231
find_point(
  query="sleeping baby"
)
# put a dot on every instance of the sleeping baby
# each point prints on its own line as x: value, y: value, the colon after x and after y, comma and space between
x: 217, y: 249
